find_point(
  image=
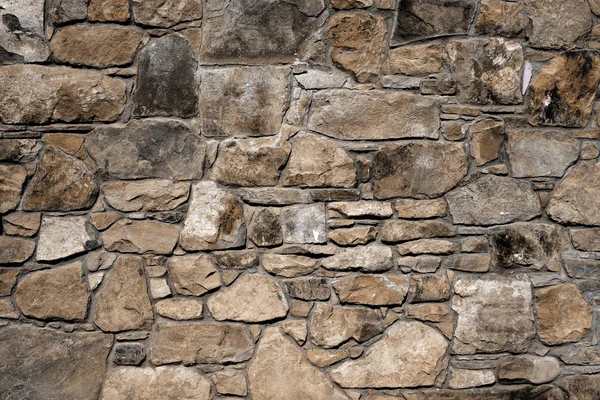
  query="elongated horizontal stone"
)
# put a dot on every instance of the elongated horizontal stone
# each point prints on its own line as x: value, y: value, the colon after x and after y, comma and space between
x: 151, y: 195
x: 401, y: 231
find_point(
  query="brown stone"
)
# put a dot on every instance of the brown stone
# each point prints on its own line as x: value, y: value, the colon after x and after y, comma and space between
x: 373, y: 290
x: 417, y: 209
x: 582, y: 387
x: 429, y: 287
x: 439, y: 314
x: 468, y: 262
x: 62, y: 237
x: 418, y: 59
x: 500, y: 18
x: 586, y: 239
x: 230, y: 382
x: 288, y: 266
x: 108, y: 10
x: 589, y: 151
x: 528, y: 368
x: 350, y: 4
x: 150, y: 195
x: 194, y: 275
x: 401, y: 231
x: 353, y: 236
x: 240, y: 260
x: 265, y: 228
x: 70, y: 143
x: 179, y: 308
x: 12, y: 179
x: 15, y: 250
x: 130, y: 236
x: 370, y: 258
x: 296, y: 329
x: 164, y: 15
x: 19, y: 150
x: 427, y: 246
x: 8, y: 280
x: 323, y: 358
x: 312, y: 288
x: 487, y: 136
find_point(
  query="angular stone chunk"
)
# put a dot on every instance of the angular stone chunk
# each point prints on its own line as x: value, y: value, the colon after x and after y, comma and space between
x: 331, y: 326
x: 35, y: 94
x: 279, y: 367
x: 362, y: 209
x: 251, y: 298
x: 487, y: 71
x: 493, y: 200
x: 429, y: 287
x: 61, y: 183
x: 468, y: 378
x: 15, y: 250
x: 429, y: 18
x: 61, y: 237
x: 528, y: 368
x: 200, y: 343
x: 289, y: 266
x: 165, y: 83
x: 372, y: 115
x: 151, y: 148
x: 19, y: 150
x: 563, y: 92
x: 418, y: 169
x: 131, y: 236
x: 418, y: 59
x: 370, y: 258
x: 215, y: 219
x: 586, y: 239
x: 38, y: 363
x: 401, y: 231
x: 58, y: 292
x: 23, y: 38
x: 179, y: 308
x: 194, y: 275
x: 241, y: 259
x: 304, y: 224
x: 312, y: 288
x: 494, y: 315
x: 487, y: 136
x: 251, y: 162
x: 60, y: 12
x: 373, y: 290
x: 241, y: 31
x: 353, y: 236
x: 580, y: 353
x: 165, y: 14
x: 318, y: 162
x: 12, y: 179
x: 265, y: 228
x: 150, y: 195
x: 8, y: 279
x: 108, y: 10
x: 244, y: 101
x: 500, y: 18
x: 410, y: 355
x: 563, y: 315
x: 122, y: 301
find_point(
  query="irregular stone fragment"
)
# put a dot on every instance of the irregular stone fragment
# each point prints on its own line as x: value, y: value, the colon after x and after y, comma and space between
x: 370, y: 258
x: 582, y: 387
x: 427, y: 246
x: 563, y: 315
x: 61, y: 183
x: 418, y: 169
x: 312, y: 288
x: 169, y: 382
x: 500, y: 18
x: 265, y: 228
x: 58, y: 292
x: 563, y: 92
x: 12, y: 179
x: 70, y: 143
x: 493, y: 200
x: 468, y: 262
x: 23, y: 37
x: 372, y: 290
x: 15, y: 250
x: 194, y: 275
x: 487, y: 136
x: 129, y: 354
x: 528, y: 368
x: 323, y: 358
x: 214, y: 220
x: 274, y: 196
x: 38, y: 363
x: 244, y: 101
x: 372, y: 115
x: 192, y: 343
x: 240, y: 260
x: 61, y: 237
x: 179, y: 308
x: 331, y: 326
x: 130, y: 236
x: 319, y: 79
x: 251, y: 298
x: 582, y: 269
x: 401, y: 231
x: 157, y: 13
x: 108, y: 10
x: 411, y: 354
x: 165, y: 81
x: 353, y: 236
x: 151, y: 195
x: 230, y: 382
x: 589, y: 151
x: 579, y: 353
x: 417, y: 209
x: 296, y: 329
x: 288, y: 266
x: 431, y: 312
x: 35, y: 94
x: 279, y: 367
x: 468, y: 378
x: 7, y: 309
x: 349, y: 4
x: 8, y: 279
x: 304, y: 224
x: 122, y: 301
x: 586, y: 239
x: 251, y: 162
x: 19, y: 150
x: 59, y: 12
x: 487, y: 71
x: 418, y: 59
x: 100, y: 260
x: 421, y: 264
x: 494, y: 315
x: 362, y: 209
x: 429, y: 287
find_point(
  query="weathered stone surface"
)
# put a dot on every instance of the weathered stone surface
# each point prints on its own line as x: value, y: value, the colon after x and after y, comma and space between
x: 170, y: 382
x: 108, y: 10
x: 401, y: 231
x: 371, y: 115
x: 358, y: 43
x: 39, y: 364
x: 59, y: 293
x: 15, y: 250
x: 60, y: 12
x: 165, y: 81
x: 362, y: 209
x: 8, y: 279
x: 487, y: 70
x: 200, y: 343
x: 241, y: 259
x: 418, y: 169
x: 274, y: 196
x: 421, y: 264
x: 350, y: 4
x: 152, y: 148
x: 331, y: 326
x: 214, y: 220
x: 129, y: 354
x: 562, y: 314
x: 323, y: 358
x: 179, y: 308
x: 578, y: 354
x: 418, y: 59
x: 160, y: 14
x: 309, y: 288
x: 353, y: 236
x: 279, y: 368
x: 411, y: 354
x: 265, y: 228
x: 230, y: 382
x: 314, y: 79
x: 12, y: 179
x: 35, y: 94
x: 487, y: 136
x: 427, y: 246
x: 373, y: 290
x: 494, y: 315
x: 19, y: 150
x: 582, y: 387
x: 500, y: 18
x: 528, y: 368
x: 533, y: 153
x: 570, y: 204
x: 251, y: 298
x: 304, y: 224
x: 122, y: 301
x: 251, y: 162
x: 194, y: 275
x: 416, y: 209
x: 429, y: 287
x: 288, y: 266
x: 150, y: 195
x: 244, y: 101
x: 130, y: 236
x: 468, y: 262
x: 586, y: 239
x: 468, y: 378
x: 23, y: 38
x: 61, y: 183
x: 370, y: 258
x: 563, y: 92
x: 98, y: 46
x: 61, y: 237
x: 492, y: 200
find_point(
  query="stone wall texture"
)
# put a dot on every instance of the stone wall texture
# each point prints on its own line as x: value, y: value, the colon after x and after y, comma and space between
x: 299, y: 199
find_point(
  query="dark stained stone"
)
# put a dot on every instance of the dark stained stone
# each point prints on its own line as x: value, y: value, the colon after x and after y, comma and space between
x: 582, y: 387
x: 265, y: 228
x: 164, y: 15
x: 129, y: 354
x: 19, y: 150
x: 312, y: 288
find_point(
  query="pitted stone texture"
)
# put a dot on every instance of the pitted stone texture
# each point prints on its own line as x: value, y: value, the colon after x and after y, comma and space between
x: 529, y: 369
x: 171, y: 382
x: 418, y: 59
x: 418, y: 169
x: 244, y: 101
x: 15, y: 250
x: 304, y: 224
x: 372, y: 115
x: 158, y: 13
x: 494, y: 315
x: 23, y: 37
x: 131, y: 236
x: 493, y: 200
x: 122, y: 301
x: 58, y: 292
x: 500, y: 18
x: 372, y: 290
x: 150, y: 195
x: 487, y: 71
x: 108, y: 10
x: 288, y: 266
x: 410, y: 355
x: 62, y: 237
x: 12, y: 179
x: 563, y: 92
x: 280, y: 369
x: 35, y: 94
x: 151, y: 148
x: 251, y: 298
x: 41, y: 364
x: 370, y: 258
x: 194, y: 275
x: 265, y: 228
x: 166, y: 84
x: 215, y: 219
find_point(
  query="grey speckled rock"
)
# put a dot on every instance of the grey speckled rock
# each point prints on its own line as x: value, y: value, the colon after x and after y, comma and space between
x: 23, y: 37
x: 61, y: 237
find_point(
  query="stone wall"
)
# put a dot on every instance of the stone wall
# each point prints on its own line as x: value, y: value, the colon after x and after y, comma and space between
x: 299, y: 199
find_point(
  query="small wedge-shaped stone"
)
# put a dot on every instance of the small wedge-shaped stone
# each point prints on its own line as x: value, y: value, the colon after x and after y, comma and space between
x: 131, y: 236
x: 372, y: 290
x: 165, y: 14
x: 370, y: 258
x: 194, y: 275
x: 151, y: 195
x: 12, y: 179
x: 61, y: 237
x: 15, y: 250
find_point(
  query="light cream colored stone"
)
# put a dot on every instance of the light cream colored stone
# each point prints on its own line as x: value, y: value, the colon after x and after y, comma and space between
x: 230, y: 381
x: 362, y: 209
x: 369, y: 258
x: 288, y: 266
x: 150, y: 195
x: 374, y: 290
x: 296, y: 329
x: 131, y: 236
x: 468, y: 378
x: 194, y: 274
x: 427, y: 246
x: 418, y: 59
x: 179, y: 308
x: 61, y: 237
